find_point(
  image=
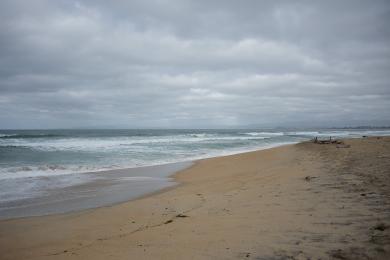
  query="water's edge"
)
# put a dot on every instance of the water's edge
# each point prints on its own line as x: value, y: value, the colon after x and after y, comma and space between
x: 59, y: 194
x: 103, y: 189
x: 90, y: 190
x: 98, y: 189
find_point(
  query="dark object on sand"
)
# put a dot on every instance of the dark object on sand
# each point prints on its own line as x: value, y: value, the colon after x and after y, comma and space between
x: 181, y: 216
x: 381, y: 227
x: 168, y: 221
x: 309, y: 178
x: 329, y: 141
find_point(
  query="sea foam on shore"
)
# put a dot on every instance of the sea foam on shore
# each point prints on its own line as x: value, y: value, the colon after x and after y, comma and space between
x: 32, y: 153
x: 33, y: 163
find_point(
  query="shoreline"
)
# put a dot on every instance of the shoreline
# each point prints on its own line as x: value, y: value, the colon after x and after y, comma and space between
x: 296, y: 201
x: 176, y: 175
x: 95, y: 179
x: 96, y: 190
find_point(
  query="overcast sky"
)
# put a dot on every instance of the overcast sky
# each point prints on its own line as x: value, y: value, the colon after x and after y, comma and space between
x: 184, y: 64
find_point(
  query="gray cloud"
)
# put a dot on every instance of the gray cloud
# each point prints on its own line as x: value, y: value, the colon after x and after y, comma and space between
x: 194, y: 63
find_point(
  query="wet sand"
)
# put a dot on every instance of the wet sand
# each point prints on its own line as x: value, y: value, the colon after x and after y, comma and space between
x: 304, y: 201
x: 90, y: 190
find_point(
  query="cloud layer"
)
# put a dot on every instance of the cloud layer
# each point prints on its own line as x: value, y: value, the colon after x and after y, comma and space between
x: 194, y: 63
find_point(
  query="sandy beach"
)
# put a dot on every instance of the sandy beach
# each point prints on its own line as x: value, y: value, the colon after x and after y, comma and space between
x: 303, y: 201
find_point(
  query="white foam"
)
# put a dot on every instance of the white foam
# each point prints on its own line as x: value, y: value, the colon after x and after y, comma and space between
x: 340, y: 133
x: 265, y: 134
x: 46, y: 170
x: 6, y: 135
x: 117, y: 143
x: 305, y: 133
x: 56, y: 170
x: 129, y: 152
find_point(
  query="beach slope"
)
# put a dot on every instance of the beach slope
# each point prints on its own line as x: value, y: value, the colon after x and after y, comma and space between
x: 303, y: 201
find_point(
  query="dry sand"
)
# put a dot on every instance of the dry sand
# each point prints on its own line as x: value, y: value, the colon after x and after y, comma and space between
x: 304, y: 201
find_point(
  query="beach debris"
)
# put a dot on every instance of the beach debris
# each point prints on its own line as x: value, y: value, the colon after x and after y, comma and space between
x: 309, y: 178
x: 381, y: 227
x: 181, y: 216
x: 168, y: 221
x: 338, y: 254
x: 327, y: 141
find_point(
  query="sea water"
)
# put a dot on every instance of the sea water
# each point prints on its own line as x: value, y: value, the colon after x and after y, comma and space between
x: 33, y: 162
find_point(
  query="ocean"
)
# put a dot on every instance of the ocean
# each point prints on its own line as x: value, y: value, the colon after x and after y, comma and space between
x: 34, y: 163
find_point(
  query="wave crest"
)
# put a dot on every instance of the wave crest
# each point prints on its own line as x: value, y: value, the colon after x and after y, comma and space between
x: 27, y: 136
